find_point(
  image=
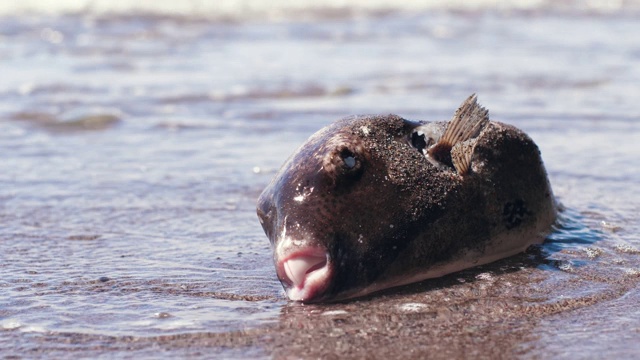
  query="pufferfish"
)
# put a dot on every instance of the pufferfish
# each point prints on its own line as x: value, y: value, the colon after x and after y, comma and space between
x: 373, y: 202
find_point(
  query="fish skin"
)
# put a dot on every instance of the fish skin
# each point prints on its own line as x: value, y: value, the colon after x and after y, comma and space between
x: 395, y: 217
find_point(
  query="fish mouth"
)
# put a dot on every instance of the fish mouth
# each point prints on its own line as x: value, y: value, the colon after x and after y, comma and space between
x: 305, y: 273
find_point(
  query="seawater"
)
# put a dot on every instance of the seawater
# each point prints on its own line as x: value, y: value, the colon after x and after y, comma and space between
x: 135, y: 139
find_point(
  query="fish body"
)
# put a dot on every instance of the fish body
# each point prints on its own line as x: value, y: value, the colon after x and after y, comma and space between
x: 373, y: 202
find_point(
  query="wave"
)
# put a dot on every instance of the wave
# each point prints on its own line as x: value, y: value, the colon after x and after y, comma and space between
x: 300, y: 9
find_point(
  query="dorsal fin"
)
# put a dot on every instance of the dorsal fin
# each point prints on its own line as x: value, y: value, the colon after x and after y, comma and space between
x: 467, y: 122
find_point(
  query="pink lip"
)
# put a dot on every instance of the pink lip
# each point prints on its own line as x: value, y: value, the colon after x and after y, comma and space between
x: 306, y: 273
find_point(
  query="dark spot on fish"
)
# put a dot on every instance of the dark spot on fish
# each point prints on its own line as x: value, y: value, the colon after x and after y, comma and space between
x: 104, y: 279
x: 419, y: 142
x: 514, y: 213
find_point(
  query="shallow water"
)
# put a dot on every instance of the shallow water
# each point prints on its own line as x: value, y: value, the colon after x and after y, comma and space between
x: 133, y: 149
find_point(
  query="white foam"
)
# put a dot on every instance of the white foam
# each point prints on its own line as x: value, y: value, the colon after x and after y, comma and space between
x: 10, y: 324
x: 412, y: 307
x: 334, y: 312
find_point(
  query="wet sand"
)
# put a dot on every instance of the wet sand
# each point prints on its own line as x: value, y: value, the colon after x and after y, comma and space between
x: 503, y: 310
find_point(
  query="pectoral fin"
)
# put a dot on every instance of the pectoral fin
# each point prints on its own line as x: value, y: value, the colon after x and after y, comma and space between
x: 467, y: 122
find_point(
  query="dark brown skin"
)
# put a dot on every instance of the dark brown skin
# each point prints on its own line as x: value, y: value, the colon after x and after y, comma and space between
x: 392, y: 213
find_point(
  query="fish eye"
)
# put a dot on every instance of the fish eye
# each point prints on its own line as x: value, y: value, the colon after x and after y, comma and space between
x: 349, y: 164
x: 344, y: 164
x: 348, y: 158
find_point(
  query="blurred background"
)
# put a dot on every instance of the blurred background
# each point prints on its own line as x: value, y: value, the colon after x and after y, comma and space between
x: 135, y: 137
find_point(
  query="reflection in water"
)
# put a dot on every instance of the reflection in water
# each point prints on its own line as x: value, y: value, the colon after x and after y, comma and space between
x: 571, y: 230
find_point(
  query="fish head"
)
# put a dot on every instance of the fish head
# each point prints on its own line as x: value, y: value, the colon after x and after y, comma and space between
x: 346, y: 203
